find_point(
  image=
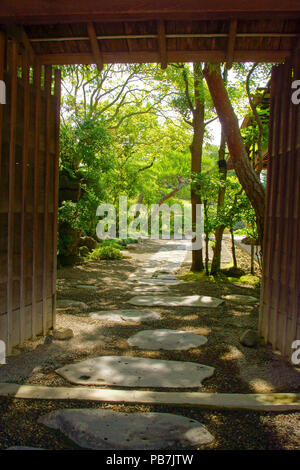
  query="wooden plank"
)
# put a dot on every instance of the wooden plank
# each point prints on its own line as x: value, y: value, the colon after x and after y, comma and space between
x: 142, y: 57
x: 25, y: 77
x: 48, y: 80
x: 31, y: 11
x: 2, y: 66
x: 162, y: 43
x: 95, y: 46
x: 264, y: 302
x: 57, y: 92
x: 37, y: 129
x: 19, y: 34
x: 295, y: 214
x: 239, y: 401
x: 11, y: 188
x: 231, y: 43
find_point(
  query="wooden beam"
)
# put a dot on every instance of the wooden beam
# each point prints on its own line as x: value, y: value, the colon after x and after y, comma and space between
x: 11, y: 191
x: 162, y: 43
x: 231, y: 43
x: 35, y: 237
x: 76, y: 11
x: 18, y: 33
x: 173, y: 56
x: 26, y: 111
x: 48, y: 80
x: 232, y: 401
x: 57, y: 93
x: 95, y: 46
x: 2, y: 67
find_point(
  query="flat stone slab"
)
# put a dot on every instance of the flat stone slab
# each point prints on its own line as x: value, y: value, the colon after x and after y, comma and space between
x: 159, y: 282
x: 23, y: 448
x: 241, y: 299
x: 69, y: 303
x: 121, y: 316
x: 113, y: 430
x: 166, y: 339
x: 150, y: 289
x: 136, y: 372
x: 167, y: 276
x: 176, y: 301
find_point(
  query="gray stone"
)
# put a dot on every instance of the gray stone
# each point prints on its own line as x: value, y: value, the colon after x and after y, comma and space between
x: 23, y: 448
x: 62, y: 333
x: 176, y: 301
x: 121, y: 316
x: 68, y: 303
x: 136, y: 372
x: 241, y: 299
x: 86, y: 287
x: 166, y: 339
x: 249, y: 338
x: 113, y: 430
x: 151, y: 289
x: 167, y: 276
x: 159, y: 282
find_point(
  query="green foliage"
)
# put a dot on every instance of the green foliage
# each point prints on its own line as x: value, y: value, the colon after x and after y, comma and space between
x: 105, y: 252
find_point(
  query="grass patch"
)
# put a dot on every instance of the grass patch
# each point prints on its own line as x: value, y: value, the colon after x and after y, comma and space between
x: 105, y: 252
x: 244, y: 279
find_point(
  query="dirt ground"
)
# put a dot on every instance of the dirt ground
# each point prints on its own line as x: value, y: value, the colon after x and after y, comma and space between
x: 238, y: 369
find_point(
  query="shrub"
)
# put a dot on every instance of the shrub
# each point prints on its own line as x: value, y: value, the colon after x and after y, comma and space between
x: 105, y: 252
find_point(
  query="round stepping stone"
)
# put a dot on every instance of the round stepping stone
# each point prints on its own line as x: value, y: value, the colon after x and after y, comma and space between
x: 112, y: 430
x: 241, y: 299
x: 136, y: 372
x: 166, y: 339
x: 176, y: 301
x: 121, y: 316
x: 68, y: 303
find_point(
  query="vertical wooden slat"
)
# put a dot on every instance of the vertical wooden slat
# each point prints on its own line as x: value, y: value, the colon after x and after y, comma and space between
x: 263, y: 321
x: 11, y: 189
x: 2, y: 65
x: 37, y: 130
x: 57, y: 92
x: 279, y: 260
x: 25, y: 77
x: 295, y: 212
x: 272, y: 291
x: 48, y: 77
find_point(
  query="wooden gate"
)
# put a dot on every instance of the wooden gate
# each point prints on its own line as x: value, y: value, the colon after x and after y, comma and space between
x: 280, y: 299
x: 29, y: 130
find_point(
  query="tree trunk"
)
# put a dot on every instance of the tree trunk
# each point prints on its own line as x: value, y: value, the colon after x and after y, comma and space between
x: 217, y: 251
x: 245, y: 173
x: 206, y: 240
x: 196, y: 154
x: 252, y: 257
x: 165, y: 197
x: 233, y: 248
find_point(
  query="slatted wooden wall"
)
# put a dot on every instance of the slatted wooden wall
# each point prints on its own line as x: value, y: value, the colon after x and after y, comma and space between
x: 280, y: 299
x: 29, y: 130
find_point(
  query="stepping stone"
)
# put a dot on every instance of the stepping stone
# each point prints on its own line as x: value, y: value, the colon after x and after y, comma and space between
x: 66, y: 303
x: 241, y: 299
x: 166, y: 339
x: 23, y: 448
x: 176, y: 301
x: 121, y: 316
x: 86, y: 286
x: 160, y: 282
x: 113, y: 430
x: 136, y: 372
x: 147, y: 289
x: 167, y: 276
